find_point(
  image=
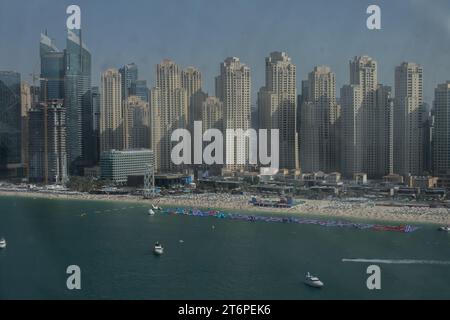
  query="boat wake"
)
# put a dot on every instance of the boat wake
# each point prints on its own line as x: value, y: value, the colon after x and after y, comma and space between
x: 400, y: 261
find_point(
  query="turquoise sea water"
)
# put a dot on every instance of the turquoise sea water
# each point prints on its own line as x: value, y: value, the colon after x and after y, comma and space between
x: 218, y: 259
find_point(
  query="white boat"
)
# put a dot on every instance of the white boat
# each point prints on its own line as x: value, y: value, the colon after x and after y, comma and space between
x: 2, y: 243
x: 151, y: 212
x: 446, y: 229
x: 158, y: 250
x: 313, y: 281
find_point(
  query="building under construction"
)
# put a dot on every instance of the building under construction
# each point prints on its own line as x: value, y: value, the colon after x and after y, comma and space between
x: 47, y: 158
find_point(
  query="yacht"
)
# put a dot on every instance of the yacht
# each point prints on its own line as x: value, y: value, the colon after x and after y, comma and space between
x: 446, y: 229
x: 2, y: 243
x: 313, y: 281
x: 158, y: 250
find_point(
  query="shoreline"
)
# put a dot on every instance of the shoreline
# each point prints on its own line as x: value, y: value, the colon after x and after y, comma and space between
x: 230, y: 203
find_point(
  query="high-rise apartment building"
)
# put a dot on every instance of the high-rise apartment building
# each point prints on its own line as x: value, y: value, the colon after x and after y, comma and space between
x: 409, y: 114
x: 137, y: 123
x: 277, y: 104
x: 319, y: 146
x: 366, y: 122
x: 169, y: 107
x: 233, y: 88
x: 112, y: 114
x: 212, y: 114
x: 191, y: 79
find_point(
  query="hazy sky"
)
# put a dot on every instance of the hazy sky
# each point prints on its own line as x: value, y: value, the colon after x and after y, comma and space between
x: 203, y: 32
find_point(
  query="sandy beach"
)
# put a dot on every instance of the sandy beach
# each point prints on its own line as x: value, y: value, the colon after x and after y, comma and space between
x: 231, y: 203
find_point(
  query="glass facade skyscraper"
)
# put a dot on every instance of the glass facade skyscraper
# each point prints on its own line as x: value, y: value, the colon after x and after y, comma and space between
x: 10, y: 119
x: 129, y: 75
x: 78, y: 101
x: 141, y: 90
x: 52, y: 70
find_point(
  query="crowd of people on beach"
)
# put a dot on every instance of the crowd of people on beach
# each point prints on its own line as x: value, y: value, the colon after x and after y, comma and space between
x: 332, y: 207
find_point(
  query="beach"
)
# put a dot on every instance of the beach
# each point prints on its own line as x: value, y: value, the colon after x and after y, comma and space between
x: 336, y: 209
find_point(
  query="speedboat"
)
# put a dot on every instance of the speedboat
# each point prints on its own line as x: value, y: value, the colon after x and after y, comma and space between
x: 151, y: 212
x: 313, y: 281
x: 2, y: 243
x: 158, y: 250
x: 446, y: 229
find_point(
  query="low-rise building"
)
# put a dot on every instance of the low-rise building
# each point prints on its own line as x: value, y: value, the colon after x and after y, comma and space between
x: 117, y: 166
x: 424, y: 182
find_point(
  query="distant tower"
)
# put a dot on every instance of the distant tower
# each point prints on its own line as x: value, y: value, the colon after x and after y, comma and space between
x: 137, y: 123
x: 191, y: 79
x: 141, y: 90
x: 129, y: 75
x: 212, y: 114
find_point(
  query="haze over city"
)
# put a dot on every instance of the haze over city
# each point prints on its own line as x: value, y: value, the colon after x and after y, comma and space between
x: 202, y: 33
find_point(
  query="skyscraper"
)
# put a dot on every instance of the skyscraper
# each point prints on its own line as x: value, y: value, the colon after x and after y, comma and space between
x: 191, y: 79
x: 27, y: 103
x: 366, y: 122
x: 384, y: 140
x: 129, y: 75
x: 96, y: 106
x: 441, y: 133
x: 137, y: 123
x: 319, y: 147
x: 352, y: 130
x: 233, y: 88
x: 10, y: 120
x: 141, y: 90
x: 408, y: 135
x: 53, y: 69
x: 112, y: 114
x: 212, y: 114
x: 169, y: 107
x: 78, y: 103
x: 279, y: 99
x: 47, y: 143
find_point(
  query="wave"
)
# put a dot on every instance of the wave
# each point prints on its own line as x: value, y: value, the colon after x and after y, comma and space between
x: 399, y: 261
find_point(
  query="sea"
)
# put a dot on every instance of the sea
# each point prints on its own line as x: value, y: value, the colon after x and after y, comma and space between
x: 206, y: 258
